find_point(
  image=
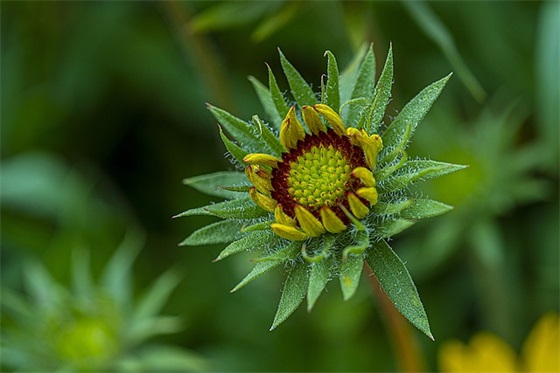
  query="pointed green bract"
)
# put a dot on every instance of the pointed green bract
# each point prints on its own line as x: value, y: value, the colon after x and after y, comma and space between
x: 413, y: 112
x: 398, y: 285
x: 332, y: 91
x: 293, y: 293
x: 266, y: 134
x: 425, y: 208
x: 213, y: 184
x: 276, y: 95
x: 381, y: 96
x: 249, y: 242
x: 242, y: 208
x: 220, y: 232
x: 391, y: 208
x: 156, y: 296
x: 366, y: 77
x: 390, y: 227
x: 348, y: 76
x: 267, y: 263
x: 350, y: 272
x: 265, y: 97
x: 302, y: 92
x: 318, y: 277
x: 241, y: 130
x: 235, y: 150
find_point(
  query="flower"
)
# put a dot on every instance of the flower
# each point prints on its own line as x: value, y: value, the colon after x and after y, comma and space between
x: 324, y: 184
x: 321, y: 178
x: 488, y: 353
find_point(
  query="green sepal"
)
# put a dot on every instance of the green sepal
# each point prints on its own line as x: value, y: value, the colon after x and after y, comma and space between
x: 391, y: 208
x: 276, y: 94
x: 237, y: 189
x: 260, y: 226
x: 390, y: 227
x: 215, y: 184
x: 398, y: 285
x: 349, y: 75
x: 352, y: 263
x: 416, y: 170
x: 241, y: 130
x: 265, y: 264
x: 318, y: 277
x: 293, y: 293
x: 413, y: 112
x: 249, y: 242
x: 265, y: 97
x: 425, y: 208
x: 381, y: 96
x: 332, y: 91
x: 220, y: 232
x: 235, y: 150
x: 269, y: 138
x: 241, y: 208
x: 363, y: 89
x: 302, y: 92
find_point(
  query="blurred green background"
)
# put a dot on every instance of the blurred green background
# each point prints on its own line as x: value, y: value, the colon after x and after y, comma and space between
x: 103, y: 114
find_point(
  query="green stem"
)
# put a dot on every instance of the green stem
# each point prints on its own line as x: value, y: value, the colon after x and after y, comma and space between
x: 405, y: 347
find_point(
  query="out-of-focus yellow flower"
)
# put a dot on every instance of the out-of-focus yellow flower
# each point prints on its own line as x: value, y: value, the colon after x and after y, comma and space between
x: 488, y: 353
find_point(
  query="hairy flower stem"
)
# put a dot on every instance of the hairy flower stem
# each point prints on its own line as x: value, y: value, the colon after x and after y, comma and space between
x: 405, y: 346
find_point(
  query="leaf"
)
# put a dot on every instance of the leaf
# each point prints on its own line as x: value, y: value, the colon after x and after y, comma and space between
x: 350, y: 272
x: 241, y: 208
x: 302, y: 92
x: 435, y: 30
x: 413, y: 112
x: 417, y: 170
x: 332, y: 91
x: 348, y: 76
x: 269, y: 138
x: 249, y: 242
x: 390, y: 227
x: 276, y: 94
x: 398, y: 285
x: 220, y: 232
x: 364, y: 86
x: 425, y: 208
x: 293, y: 293
x: 241, y: 130
x: 235, y: 150
x: 318, y: 278
x: 267, y: 263
x: 265, y: 97
x: 212, y: 184
x: 381, y: 95
x: 391, y: 208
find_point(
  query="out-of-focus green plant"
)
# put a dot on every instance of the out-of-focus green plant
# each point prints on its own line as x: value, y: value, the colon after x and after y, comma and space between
x: 92, y: 327
x: 323, y: 200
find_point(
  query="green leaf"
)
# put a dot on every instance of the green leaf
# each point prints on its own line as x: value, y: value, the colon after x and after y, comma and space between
x: 349, y: 75
x: 277, y: 96
x: 364, y: 87
x: 391, y: 208
x: 293, y: 293
x: 417, y: 170
x: 413, y: 112
x: 390, y: 227
x: 249, y: 242
x: 212, y: 184
x: 265, y: 97
x: 318, y: 278
x: 332, y: 91
x: 235, y: 150
x: 425, y: 208
x: 381, y: 95
x: 241, y: 130
x: 350, y: 272
x: 242, y: 208
x: 269, y: 138
x: 302, y: 92
x: 220, y: 232
x: 267, y: 263
x: 398, y: 285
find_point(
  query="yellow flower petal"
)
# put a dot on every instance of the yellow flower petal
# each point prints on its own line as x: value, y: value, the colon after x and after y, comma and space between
x: 289, y: 233
x: 365, y: 176
x: 371, y: 145
x: 282, y: 218
x: 263, y: 159
x: 264, y: 202
x: 291, y: 130
x: 332, y: 117
x: 331, y: 222
x: 357, y: 207
x: 309, y: 223
x: 369, y: 193
x: 311, y: 118
x: 259, y: 178
x: 541, y: 350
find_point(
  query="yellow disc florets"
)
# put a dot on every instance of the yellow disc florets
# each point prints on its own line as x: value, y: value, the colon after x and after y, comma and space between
x: 320, y: 180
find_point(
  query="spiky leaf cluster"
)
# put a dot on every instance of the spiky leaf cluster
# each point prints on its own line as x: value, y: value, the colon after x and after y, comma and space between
x: 361, y: 101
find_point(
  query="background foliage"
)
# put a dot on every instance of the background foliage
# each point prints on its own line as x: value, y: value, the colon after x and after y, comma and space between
x: 103, y: 115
